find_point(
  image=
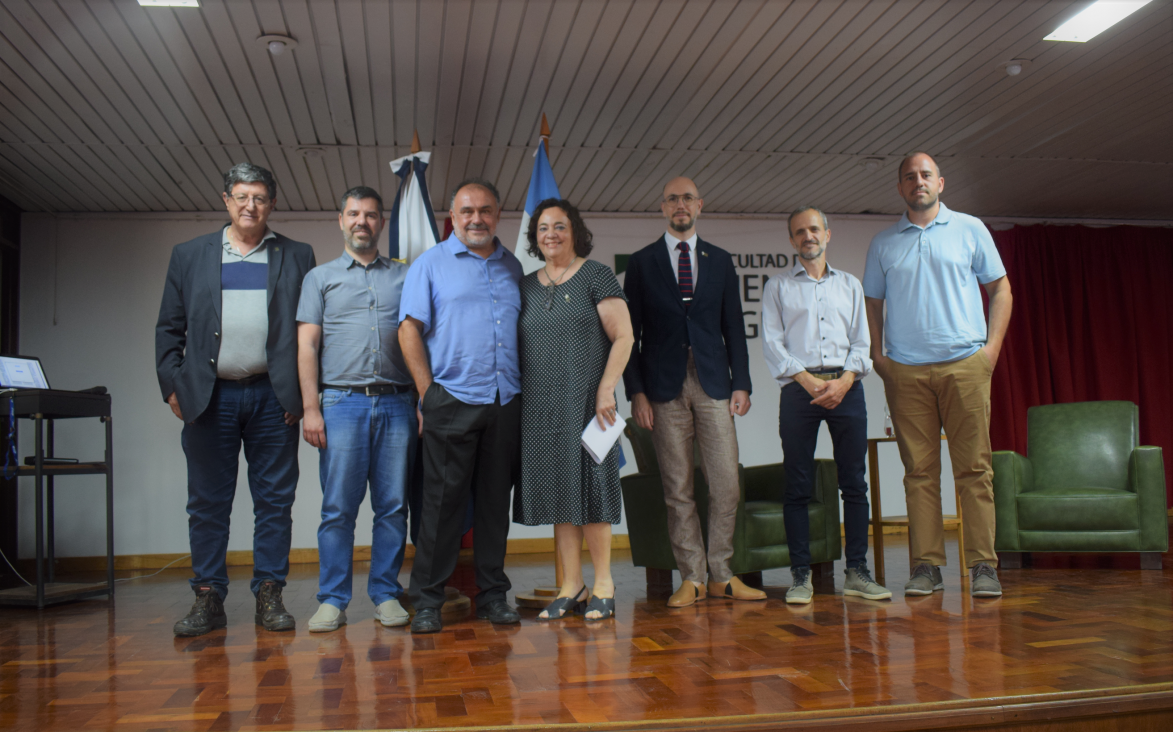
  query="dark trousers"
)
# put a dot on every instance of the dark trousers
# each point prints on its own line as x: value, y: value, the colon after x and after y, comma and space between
x: 469, y: 450
x: 248, y: 414
x: 798, y: 425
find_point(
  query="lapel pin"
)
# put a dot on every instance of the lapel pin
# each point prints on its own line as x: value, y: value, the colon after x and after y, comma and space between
x: 567, y: 297
x: 704, y: 254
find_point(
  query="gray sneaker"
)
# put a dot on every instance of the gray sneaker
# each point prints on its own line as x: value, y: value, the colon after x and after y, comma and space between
x: 984, y: 581
x: 925, y: 580
x: 801, y: 591
x: 327, y: 618
x: 859, y: 583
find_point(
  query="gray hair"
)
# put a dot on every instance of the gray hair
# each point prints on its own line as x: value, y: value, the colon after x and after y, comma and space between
x: 804, y: 209
x: 249, y: 173
x: 361, y: 193
x: 480, y: 182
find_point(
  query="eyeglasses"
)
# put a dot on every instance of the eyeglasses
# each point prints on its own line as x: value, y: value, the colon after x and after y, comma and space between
x: 242, y: 199
x: 687, y: 199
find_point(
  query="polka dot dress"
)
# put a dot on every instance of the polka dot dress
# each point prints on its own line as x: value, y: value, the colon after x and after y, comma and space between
x: 563, y: 353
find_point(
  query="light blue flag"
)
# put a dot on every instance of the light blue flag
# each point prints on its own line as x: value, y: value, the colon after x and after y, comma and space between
x: 541, y: 186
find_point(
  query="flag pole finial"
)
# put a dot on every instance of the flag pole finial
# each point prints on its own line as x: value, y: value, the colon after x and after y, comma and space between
x: 546, y: 133
x: 415, y: 141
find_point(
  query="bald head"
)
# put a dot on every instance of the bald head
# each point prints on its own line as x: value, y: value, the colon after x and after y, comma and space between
x: 681, y: 206
x: 916, y: 159
x: 679, y: 185
x: 920, y: 185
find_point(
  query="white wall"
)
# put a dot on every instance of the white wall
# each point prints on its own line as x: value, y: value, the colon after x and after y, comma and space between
x: 90, y: 292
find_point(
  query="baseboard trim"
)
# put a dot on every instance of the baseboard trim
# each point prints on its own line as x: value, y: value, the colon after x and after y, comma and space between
x: 296, y: 556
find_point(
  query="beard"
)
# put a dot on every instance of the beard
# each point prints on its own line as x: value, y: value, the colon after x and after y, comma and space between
x: 475, y: 238
x: 682, y: 226
x: 813, y: 255
x: 922, y: 205
x: 360, y: 246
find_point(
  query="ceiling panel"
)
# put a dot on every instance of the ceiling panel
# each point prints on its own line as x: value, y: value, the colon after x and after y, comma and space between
x: 108, y: 106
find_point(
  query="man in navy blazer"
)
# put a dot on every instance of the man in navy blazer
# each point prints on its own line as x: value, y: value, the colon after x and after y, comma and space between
x: 226, y: 357
x: 688, y: 377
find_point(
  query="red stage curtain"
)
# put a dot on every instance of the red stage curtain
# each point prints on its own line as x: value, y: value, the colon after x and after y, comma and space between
x: 1093, y: 320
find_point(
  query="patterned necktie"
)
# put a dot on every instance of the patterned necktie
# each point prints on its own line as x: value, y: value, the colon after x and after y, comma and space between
x: 684, y: 273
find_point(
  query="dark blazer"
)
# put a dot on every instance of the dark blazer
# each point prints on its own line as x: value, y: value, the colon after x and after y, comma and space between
x: 187, y: 336
x: 664, y: 329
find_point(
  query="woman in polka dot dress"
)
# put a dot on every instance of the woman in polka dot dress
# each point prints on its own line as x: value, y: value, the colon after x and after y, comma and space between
x: 575, y: 336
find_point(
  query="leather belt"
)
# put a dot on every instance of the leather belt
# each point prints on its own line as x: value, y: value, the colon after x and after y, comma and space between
x: 254, y: 378
x: 826, y: 375
x: 373, y: 389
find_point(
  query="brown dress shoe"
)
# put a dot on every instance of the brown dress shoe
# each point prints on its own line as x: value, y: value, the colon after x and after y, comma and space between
x: 688, y: 593
x: 734, y: 589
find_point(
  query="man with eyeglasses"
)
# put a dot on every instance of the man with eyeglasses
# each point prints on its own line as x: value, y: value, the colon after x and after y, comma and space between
x: 688, y: 377
x: 226, y: 358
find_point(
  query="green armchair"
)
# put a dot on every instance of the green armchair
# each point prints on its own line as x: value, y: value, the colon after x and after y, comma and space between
x: 1087, y: 486
x: 759, y: 536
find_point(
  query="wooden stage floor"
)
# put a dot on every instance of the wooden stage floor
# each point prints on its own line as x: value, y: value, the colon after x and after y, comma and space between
x: 1061, y: 643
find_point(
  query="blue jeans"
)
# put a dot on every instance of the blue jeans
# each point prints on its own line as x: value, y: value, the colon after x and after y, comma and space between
x: 369, y: 439
x: 250, y: 414
x: 798, y: 426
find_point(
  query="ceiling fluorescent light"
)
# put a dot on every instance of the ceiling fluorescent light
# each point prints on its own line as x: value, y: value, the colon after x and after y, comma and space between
x: 1095, y: 19
x: 169, y: 3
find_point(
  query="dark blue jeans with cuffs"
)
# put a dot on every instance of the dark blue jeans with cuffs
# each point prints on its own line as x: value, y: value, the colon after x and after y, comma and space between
x: 798, y: 426
x: 240, y: 413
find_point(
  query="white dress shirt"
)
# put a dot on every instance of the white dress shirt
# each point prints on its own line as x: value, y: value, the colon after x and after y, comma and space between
x: 674, y: 255
x: 814, y: 324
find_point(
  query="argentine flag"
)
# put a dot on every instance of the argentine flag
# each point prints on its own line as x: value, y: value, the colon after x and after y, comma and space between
x: 412, y: 228
x: 541, y: 187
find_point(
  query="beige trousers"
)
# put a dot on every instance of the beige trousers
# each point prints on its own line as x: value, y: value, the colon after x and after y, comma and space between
x: 694, y: 414
x: 921, y: 400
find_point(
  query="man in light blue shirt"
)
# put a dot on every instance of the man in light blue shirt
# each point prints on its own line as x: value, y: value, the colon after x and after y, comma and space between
x: 815, y: 336
x: 364, y: 424
x: 928, y: 269
x: 458, y: 328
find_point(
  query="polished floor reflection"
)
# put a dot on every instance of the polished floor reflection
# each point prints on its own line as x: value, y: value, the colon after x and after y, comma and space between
x: 92, y: 665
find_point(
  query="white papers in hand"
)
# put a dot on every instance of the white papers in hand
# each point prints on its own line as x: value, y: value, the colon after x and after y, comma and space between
x: 598, y: 441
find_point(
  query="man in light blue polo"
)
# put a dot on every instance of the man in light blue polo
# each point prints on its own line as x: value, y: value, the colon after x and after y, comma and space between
x: 929, y: 270
x: 365, y: 423
x: 458, y: 329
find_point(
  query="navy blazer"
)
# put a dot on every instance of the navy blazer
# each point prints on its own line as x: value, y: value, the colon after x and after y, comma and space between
x: 664, y: 329
x: 187, y: 336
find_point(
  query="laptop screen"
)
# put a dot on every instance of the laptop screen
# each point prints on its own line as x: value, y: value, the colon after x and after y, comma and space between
x: 17, y: 372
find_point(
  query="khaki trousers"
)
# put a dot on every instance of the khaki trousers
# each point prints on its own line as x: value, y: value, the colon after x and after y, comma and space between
x: 921, y: 400
x: 694, y: 414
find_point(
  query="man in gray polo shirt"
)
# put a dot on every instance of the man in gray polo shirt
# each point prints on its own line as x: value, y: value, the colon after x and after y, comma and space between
x: 365, y: 425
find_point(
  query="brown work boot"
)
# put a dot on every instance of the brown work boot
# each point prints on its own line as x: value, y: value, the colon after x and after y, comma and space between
x: 206, y: 615
x: 271, y: 613
x: 735, y: 589
x: 688, y: 593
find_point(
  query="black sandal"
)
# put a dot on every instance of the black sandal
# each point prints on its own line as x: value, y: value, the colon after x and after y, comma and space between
x: 604, y: 605
x: 563, y: 606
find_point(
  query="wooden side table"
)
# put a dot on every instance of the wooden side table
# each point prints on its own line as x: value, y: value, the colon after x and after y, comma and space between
x: 877, y: 514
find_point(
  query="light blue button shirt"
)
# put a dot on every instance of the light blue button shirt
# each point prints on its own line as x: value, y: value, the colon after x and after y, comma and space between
x: 814, y: 324
x: 931, y: 281
x: 469, y: 308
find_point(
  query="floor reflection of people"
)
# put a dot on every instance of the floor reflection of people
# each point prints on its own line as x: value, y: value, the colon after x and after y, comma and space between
x: 336, y: 676
x: 932, y: 649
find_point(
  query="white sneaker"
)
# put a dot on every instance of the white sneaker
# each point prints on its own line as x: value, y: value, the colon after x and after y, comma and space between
x: 327, y: 618
x: 390, y: 613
